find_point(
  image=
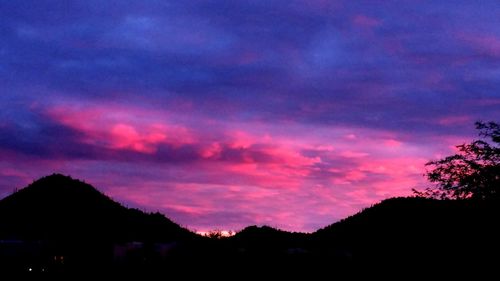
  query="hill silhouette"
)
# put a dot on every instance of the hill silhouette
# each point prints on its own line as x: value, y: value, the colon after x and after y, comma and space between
x: 57, y: 216
x: 265, y: 240
x: 61, y: 224
x: 414, y: 232
x: 59, y: 207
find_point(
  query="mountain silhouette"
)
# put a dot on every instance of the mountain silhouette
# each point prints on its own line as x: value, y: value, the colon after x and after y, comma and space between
x: 59, y: 207
x: 59, y: 223
x: 413, y: 232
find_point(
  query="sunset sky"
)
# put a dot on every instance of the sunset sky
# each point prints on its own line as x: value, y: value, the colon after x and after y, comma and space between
x: 223, y: 114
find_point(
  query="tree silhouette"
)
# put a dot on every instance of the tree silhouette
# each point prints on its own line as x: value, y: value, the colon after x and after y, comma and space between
x: 474, y: 172
x: 215, y: 234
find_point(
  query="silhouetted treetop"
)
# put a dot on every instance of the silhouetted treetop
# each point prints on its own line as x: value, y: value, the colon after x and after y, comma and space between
x: 474, y: 172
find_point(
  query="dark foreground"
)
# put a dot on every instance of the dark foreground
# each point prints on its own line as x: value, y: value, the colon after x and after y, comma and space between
x: 61, y: 227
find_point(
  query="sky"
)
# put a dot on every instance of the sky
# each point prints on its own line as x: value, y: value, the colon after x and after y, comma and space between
x: 223, y: 114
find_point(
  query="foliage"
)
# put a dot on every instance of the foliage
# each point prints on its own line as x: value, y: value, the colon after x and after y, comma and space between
x: 215, y: 234
x: 474, y: 172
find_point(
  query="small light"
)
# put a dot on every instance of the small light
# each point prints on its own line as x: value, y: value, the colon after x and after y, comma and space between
x: 30, y: 269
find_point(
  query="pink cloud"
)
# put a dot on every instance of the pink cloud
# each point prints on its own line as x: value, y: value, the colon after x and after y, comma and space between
x: 353, y: 154
x: 125, y: 136
x: 351, y: 136
x: 212, y: 150
x: 392, y: 143
x: 354, y: 176
x: 239, y: 173
x: 122, y: 128
x: 394, y: 166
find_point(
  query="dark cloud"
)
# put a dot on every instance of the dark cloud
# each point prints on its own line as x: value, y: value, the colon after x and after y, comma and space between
x: 41, y: 137
x: 344, y: 62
